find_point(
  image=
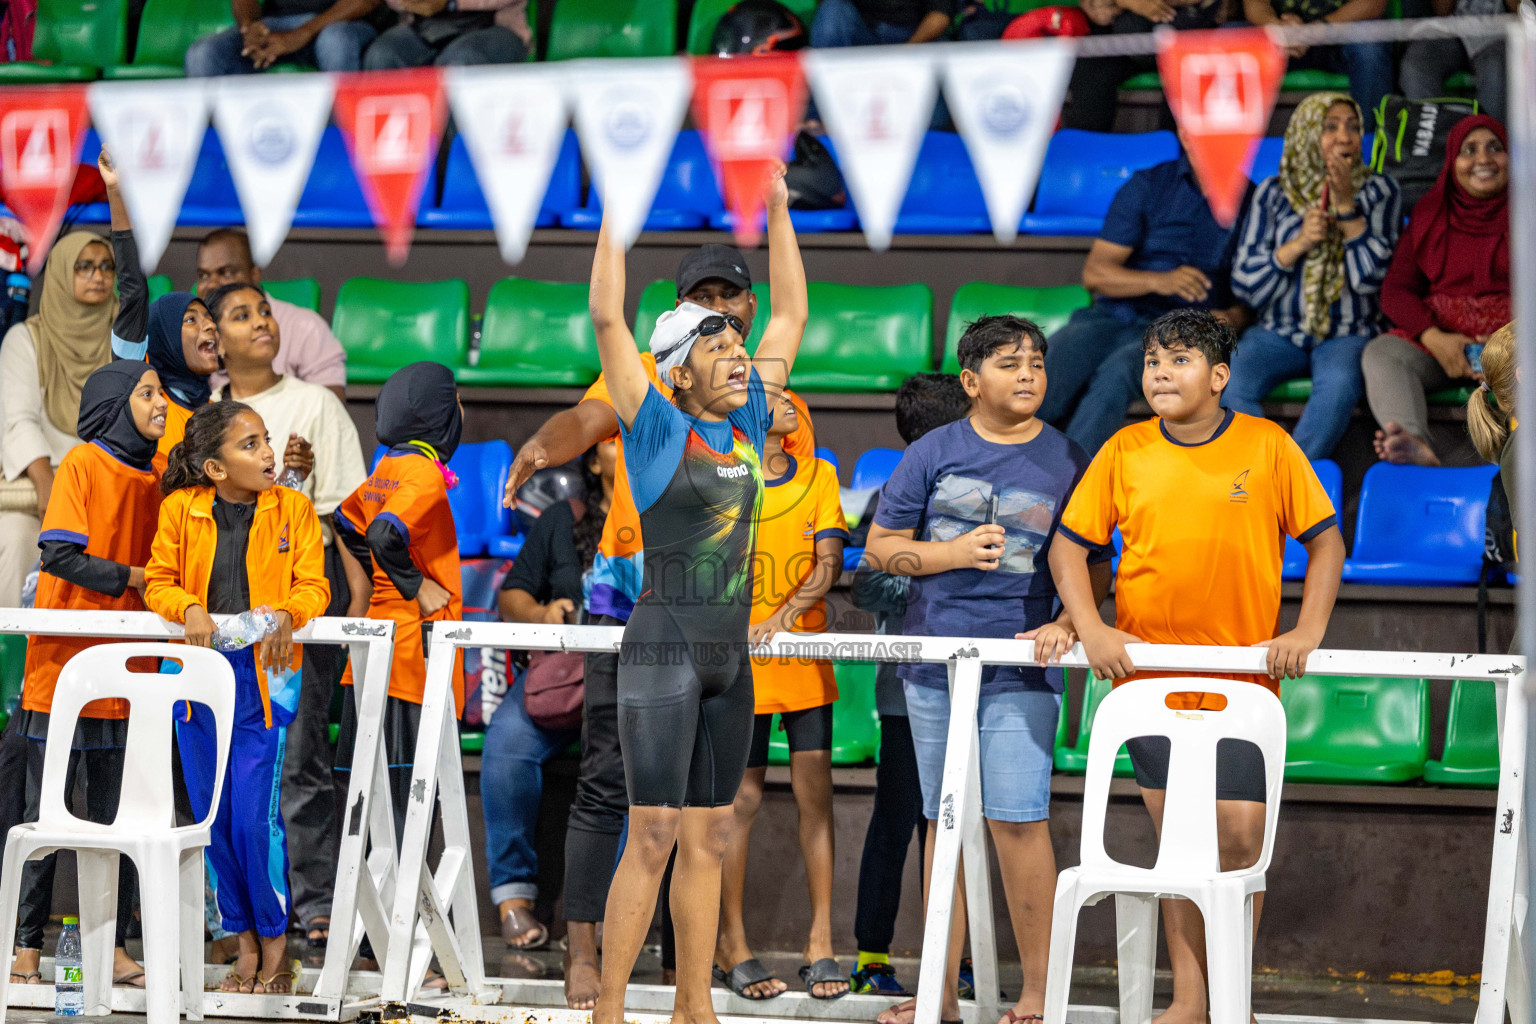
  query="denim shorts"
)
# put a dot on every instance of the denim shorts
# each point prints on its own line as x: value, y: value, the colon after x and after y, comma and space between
x: 1018, y: 740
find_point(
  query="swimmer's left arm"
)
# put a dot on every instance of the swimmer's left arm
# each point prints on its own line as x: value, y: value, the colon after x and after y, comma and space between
x: 789, y: 308
x: 622, y: 368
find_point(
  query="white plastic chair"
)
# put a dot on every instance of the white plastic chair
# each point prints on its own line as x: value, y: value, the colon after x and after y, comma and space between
x: 169, y: 859
x: 1188, y: 861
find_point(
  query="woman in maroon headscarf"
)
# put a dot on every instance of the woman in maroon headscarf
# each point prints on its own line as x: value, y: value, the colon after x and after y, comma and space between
x: 1447, y: 289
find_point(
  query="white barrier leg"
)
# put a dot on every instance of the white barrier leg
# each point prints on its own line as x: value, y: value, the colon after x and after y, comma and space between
x: 1503, y: 945
x: 959, y: 758
x: 356, y: 907
x: 978, y: 886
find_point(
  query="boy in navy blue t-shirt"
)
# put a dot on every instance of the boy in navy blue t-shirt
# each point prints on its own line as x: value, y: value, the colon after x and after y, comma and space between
x: 988, y: 491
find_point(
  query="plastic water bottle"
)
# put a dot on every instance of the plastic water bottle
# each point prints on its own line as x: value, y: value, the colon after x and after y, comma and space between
x: 69, y: 972
x: 1475, y: 356
x: 18, y: 291
x: 292, y: 478
x: 245, y: 629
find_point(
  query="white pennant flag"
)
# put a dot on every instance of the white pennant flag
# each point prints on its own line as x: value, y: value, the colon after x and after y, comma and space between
x: 270, y: 127
x: 513, y: 120
x: 877, y: 104
x: 1005, y: 99
x: 627, y: 116
x: 153, y: 131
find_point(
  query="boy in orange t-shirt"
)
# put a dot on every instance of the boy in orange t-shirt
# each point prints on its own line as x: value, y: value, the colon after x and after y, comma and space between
x: 1204, y: 498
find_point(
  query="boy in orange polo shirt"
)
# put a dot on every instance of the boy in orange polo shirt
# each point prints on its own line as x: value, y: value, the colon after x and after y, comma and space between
x: 1204, y: 498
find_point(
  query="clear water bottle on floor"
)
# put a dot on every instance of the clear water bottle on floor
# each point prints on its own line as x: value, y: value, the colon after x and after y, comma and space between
x: 245, y: 629
x: 69, y: 972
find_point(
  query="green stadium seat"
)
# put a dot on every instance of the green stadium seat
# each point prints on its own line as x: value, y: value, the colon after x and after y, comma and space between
x: 160, y: 285
x: 1300, y: 390
x: 613, y: 28
x: 301, y: 291
x: 1073, y: 760
x: 1048, y: 307
x: 660, y: 296
x: 535, y: 334
x: 1355, y: 729
x: 1471, y: 755
x: 75, y: 39
x: 1461, y: 83
x: 167, y: 29
x: 471, y: 742
x: 855, y: 722
x: 1294, y: 81
x: 13, y: 660
x: 384, y: 325
x: 706, y: 14
x: 863, y: 338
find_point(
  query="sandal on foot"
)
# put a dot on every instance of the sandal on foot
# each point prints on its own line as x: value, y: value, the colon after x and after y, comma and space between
x: 746, y: 974
x: 318, y: 935
x: 823, y: 972
x: 27, y: 977
x: 266, y: 982
x: 240, y: 983
x: 129, y: 979
x: 1009, y: 1017
x: 517, y: 923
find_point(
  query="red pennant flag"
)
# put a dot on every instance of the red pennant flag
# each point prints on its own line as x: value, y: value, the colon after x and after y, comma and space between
x: 747, y: 109
x: 40, y: 134
x: 393, y: 122
x: 1222, y: 86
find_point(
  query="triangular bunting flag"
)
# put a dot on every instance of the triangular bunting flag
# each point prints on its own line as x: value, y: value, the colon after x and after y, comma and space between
x: 1005, y: 99
x: 1221, y: 86
x: 627, y: 116
x: 877, y: 103
x: 513, y: 120
x: 153, y: 131
x: 40, y: 133
x: 392, y: 122
x: 270, y: 127
x: 747, y: 109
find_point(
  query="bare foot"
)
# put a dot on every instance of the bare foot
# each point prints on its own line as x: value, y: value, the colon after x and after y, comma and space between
x: 818, y: 949
x: 901, y: 1013
x: 1396, y: 445
x: 24, y: 969
x: 1176, y: 1014
x: 126, y: 971
x: 582, y: 981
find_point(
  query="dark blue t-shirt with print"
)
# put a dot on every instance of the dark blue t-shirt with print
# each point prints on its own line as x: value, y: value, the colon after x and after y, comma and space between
x: 945, y: 482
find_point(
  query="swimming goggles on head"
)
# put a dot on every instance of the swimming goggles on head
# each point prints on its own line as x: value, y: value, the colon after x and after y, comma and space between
x: 708, y: 327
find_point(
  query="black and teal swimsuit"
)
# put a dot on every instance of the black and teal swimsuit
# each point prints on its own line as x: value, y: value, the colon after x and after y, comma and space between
x: 685, y: 679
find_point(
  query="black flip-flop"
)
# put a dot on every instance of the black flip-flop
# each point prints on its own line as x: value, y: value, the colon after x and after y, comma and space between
x: 747, y: 973
x: 822, y: 972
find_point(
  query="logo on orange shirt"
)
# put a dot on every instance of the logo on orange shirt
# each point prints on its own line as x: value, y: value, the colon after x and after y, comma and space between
x: 1240, y: 488
x: 282, y: 540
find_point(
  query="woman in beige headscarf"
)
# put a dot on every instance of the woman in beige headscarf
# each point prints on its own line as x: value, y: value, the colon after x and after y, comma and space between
x: 43, y: 363
x: 1311, y: 259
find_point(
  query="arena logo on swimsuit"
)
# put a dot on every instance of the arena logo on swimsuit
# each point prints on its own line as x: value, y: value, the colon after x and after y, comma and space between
x: 733, y: 472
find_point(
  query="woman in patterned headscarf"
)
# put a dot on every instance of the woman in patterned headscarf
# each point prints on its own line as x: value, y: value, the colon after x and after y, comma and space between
x: 1313, y: 254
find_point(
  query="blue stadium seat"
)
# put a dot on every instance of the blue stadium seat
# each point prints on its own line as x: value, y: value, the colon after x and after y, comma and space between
x: 332, y: 198
x: 874, y: 468
x: 211, y: 200
x: 827, y: 455
x: 685, y: 200
x: 807, y: 222
x: 483, y: 525
x: 463, y: 204
x: 943, y: 197
x: 1420, y: 526
x: 1332, y: 478
x: 1082, y: 173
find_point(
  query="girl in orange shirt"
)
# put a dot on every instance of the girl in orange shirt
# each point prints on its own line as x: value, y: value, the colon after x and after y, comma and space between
x: 230, y: 540
x: 95, y: 542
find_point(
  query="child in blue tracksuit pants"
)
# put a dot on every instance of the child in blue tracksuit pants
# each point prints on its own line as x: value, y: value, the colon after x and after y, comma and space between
x: 230, y: 541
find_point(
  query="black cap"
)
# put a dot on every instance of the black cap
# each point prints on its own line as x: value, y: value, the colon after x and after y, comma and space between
x: 709, y: 262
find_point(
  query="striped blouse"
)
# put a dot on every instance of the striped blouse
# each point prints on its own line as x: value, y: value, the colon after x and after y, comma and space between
x: 1275, y: 293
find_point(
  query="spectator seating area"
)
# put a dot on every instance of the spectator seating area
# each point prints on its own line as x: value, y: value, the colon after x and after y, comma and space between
x: 82, y: 40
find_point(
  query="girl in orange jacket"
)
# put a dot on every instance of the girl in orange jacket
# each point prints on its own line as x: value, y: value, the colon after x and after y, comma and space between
x: 231, y: 540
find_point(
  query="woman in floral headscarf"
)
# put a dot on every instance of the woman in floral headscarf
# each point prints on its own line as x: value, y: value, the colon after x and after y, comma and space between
x: 1313, y: 254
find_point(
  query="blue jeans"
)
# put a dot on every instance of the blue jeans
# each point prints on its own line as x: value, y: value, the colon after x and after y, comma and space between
x: 1018, y: 740
x: 839, y: 23
x: 1263, y: 360
x: 1093, y: 374
x: 511, y: 788
x: 402, y: 47
x: 338, y: 47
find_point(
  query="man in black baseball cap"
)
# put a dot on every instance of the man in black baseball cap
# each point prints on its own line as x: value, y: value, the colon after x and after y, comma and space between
x: 716, y: 276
